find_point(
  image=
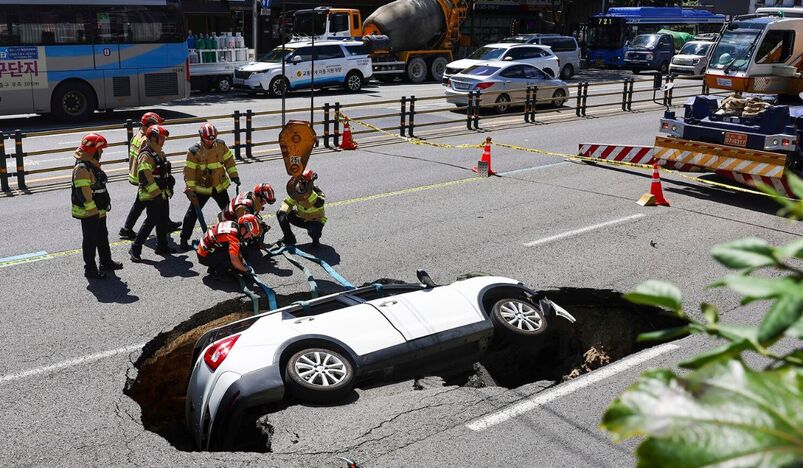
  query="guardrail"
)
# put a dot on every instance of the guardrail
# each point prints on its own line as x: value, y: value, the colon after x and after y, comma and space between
x: 244, y: 127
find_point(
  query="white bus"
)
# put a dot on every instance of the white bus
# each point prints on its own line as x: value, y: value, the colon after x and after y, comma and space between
x: 68, y: 58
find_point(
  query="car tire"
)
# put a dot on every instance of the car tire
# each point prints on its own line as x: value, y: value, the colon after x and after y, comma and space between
x: 518, y: 318
x: 416, y: 71
x: 223, y: 84
x: 306, y: 382
x: 275, y: 86
x: 502, y: 104
x: 567, y: 72
x: 354, y: 81
x: 437, y: 68
x: 73, y: 101
x: 558, y: 98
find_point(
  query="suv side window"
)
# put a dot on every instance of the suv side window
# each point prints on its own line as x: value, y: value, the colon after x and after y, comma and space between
x: 665, y: 42
x: 353, y: 50
x: 566, y: 45
x: 528, y: 53
x: 305, y: 53
x: 329, y: 52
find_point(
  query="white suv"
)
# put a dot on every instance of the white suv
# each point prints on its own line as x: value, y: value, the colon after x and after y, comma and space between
x: 337, y: 63
x: 565, y: 47
x: 538, y: 56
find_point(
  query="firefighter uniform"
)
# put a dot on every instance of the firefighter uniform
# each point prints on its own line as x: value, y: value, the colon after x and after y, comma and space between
x: 90, y: 202
x: 308, y: 213
x: 208, y: 172
x: 155, y: 189
x: 138, y: 207
x: 219, y: 249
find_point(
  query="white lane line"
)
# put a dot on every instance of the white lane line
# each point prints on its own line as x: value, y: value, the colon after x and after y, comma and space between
x: 541, y: 399
x: 583, y: 230
x: 71, y: 363
x: 534, y: 168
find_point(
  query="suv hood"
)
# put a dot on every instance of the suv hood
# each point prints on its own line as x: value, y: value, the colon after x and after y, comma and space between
x: 259, y: 67
x: 464, y: 63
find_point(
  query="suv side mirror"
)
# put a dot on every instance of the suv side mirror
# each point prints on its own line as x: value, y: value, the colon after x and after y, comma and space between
x: 295, y: 59
x: 424, y: 278
x: 508, y: 59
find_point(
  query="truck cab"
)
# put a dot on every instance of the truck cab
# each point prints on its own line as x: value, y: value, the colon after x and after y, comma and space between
x: 327, y: 23
x: 650, y: 52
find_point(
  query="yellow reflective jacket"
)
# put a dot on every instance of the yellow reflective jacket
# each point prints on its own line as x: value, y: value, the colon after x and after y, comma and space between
x: 88, y: 194
x: 208, y: 169
x: 133, y: 154
x: 310, y: 209
x: 153, y: 173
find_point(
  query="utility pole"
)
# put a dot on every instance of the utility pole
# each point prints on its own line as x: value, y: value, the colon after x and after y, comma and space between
x: 255, y: 24
x: 603, y: 7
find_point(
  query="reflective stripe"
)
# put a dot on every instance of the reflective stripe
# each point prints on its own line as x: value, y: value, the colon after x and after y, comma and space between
x: 90, y: 205
x: 313, y: 197
x: 191, y: 165
x: 152, y: 187
x: 203, y: 190
x: 191, y: 183
x: 232, y: 170
x: 145, y: 167
x: 228, y: 155
x: 213, y: 165
x: 82, y: 182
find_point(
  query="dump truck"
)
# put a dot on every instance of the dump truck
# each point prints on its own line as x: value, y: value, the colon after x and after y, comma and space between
x: 410, y: 39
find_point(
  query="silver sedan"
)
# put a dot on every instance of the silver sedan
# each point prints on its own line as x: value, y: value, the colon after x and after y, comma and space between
x: 505, y: 84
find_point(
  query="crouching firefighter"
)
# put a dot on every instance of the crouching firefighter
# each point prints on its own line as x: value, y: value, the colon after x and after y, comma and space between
x: 90, y: 202
x: 251, y: 203
x: 155, y: 189
x: 219, y: 249
x: 304, y: 208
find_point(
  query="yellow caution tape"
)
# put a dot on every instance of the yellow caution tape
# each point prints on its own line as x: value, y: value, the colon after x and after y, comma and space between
x: 413, y: 140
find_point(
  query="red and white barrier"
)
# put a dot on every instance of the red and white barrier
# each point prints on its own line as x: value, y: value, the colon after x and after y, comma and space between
x: 628, y: 154
x: 779, y: 185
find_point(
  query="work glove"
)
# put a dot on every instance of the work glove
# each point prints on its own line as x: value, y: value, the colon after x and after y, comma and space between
x: 236, y: 180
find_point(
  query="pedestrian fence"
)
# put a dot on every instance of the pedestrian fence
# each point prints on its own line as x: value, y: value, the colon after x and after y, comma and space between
x: 411, y: 111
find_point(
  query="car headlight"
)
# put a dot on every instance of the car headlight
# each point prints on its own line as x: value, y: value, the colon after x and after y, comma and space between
x: 695, y: 61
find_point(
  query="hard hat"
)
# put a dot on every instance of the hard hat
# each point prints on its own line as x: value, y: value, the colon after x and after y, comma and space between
x: 309, y: 175
x: 151, y: 118
x: 155, y: 131
x: 265, y: 192
x: 208, y: 132
x: 92, y: 142
x: 250, y: 223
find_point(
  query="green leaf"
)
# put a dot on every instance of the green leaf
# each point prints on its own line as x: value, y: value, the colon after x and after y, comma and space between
x: 657, y: 293
x: 795, y: 183
x: 664, y: 335
x: 710, y: 313
x: 791, y: 250
x: 782, y: 315
x: 753, y: 287
x: 736, y: 332
x: 796, y: 330
x: 723, y: 415
x: 723, y: 352
x: 745, y: 253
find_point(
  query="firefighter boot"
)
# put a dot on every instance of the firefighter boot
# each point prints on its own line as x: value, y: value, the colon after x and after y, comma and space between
x: 91, y: 272
x: 136, y: 253
x: 111, y: 265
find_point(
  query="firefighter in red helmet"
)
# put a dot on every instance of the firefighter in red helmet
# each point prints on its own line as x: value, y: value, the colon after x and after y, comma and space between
x: 307, y: 212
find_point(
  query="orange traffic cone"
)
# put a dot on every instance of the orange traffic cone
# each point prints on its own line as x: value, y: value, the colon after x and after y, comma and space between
x: 656, y: 195
x: 483, y: 167
x: 348, y: 142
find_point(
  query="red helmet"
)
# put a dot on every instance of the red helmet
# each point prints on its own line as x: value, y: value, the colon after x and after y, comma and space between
x: 265, y: 192
x: 155, y: 131
x: 250, y: 223
x: 309, y: 175
x: 92, y: 142
x: 151, y: 118
x: 208, y: 132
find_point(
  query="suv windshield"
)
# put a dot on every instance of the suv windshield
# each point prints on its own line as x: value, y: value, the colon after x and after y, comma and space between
x: 275, y: 55
x: 645, y: 41
x: 734, y: 50
x: 487, y: 53
x: 690, y: 48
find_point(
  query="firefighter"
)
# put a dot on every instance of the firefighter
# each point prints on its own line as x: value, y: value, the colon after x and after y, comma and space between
x: 208, y: 172
x: 127, y: 231
x: 90, y: 202
x: 219, y: 249
x: 155, y: 189
x: 307, y: 213
x: 251, y: 203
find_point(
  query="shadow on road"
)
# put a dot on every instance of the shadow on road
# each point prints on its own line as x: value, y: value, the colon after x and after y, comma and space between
x: 111, y: 290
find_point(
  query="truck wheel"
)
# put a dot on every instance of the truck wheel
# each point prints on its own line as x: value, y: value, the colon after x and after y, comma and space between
x: 416, y: 70
x: 353, y: 81
x: 73, y: 101
x: 223, y: 84
x: 437, y: 67
x: 277, y: 86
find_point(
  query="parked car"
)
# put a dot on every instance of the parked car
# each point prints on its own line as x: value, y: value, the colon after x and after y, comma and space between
x: 564, y: 47
x: 650, y: 52
x: 337, y: 63
x: 506, y: 84
x: 317, y: 350
x: 536, y: 55
x: 692, y: 59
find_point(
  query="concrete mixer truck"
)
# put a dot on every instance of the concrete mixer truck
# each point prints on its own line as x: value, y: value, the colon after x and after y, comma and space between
x: 411, y: 39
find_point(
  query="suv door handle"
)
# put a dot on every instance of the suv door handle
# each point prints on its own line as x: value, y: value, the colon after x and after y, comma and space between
x: 305, y: 319
x: 388, y: 303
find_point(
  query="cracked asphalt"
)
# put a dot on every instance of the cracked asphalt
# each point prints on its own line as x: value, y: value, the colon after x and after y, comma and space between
x: 394, y: 208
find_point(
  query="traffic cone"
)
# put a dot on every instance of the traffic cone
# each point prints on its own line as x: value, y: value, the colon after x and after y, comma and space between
x: 656, y: 195
x: 483, y: 167
x: 348, y: 142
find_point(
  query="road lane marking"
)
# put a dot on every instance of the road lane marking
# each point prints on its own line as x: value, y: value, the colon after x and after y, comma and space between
x: 17, y: 258
x: 584, y: 230
x: 71, y: 363
x: 562, y: 390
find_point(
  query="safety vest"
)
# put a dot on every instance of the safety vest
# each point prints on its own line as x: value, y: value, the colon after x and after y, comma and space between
x: 240, y: 205
x: 86, y: 174
x: 208, y: 169
x: 133, y: 154
x: 156, y: 164
x: 223, y: 235
x: 315, y: 211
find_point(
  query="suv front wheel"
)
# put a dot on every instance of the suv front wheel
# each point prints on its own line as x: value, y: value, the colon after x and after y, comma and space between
x: 353, y: 81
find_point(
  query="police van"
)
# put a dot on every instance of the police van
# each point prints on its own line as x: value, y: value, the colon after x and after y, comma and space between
x: 337, y: 63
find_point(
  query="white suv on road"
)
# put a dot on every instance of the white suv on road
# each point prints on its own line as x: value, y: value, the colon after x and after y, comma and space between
x: 538, y: 56
x: 337, y: 63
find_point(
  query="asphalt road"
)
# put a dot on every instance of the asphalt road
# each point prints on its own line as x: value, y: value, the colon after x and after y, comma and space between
x: 69, y: 344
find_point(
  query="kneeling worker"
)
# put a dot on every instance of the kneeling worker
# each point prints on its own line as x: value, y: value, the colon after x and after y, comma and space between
x: 307, y: 213
x: 219, y: 248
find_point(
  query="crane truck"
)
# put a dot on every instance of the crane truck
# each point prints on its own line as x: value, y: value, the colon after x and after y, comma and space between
x: 411, y: 39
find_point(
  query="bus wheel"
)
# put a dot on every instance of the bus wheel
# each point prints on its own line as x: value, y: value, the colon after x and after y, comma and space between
x: 73, y: 101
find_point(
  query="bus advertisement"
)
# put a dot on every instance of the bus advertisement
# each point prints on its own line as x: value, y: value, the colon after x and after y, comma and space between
x: 69, y: 59
x: 607, y: 34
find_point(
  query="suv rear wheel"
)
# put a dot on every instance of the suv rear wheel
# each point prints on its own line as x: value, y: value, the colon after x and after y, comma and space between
x: 353, y: 81
x: 319, y: 375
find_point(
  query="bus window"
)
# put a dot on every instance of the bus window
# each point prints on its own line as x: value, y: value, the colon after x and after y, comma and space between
x: 39, y: 26
x: 776, y: 47
x: 136, y: 24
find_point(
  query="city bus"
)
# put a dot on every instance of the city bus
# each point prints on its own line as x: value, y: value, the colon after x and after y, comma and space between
x: 606, y: 35
x: 69, y: 59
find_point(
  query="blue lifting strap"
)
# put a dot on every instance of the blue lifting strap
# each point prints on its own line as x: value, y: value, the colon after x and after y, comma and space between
x: 380, y: 289
x: 269, y: 293
x: 249, y: 293
x: 313, y: 286
x: 334, y: 274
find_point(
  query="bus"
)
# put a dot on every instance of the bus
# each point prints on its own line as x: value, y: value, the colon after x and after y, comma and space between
x: 606, y: 35
x: 69, y: 59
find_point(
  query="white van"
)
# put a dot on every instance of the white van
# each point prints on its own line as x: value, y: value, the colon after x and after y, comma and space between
x: 337, y: 63
x: 565, y: 47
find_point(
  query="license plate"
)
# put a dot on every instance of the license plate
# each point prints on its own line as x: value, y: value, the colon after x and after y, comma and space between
x: 735, y: 139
